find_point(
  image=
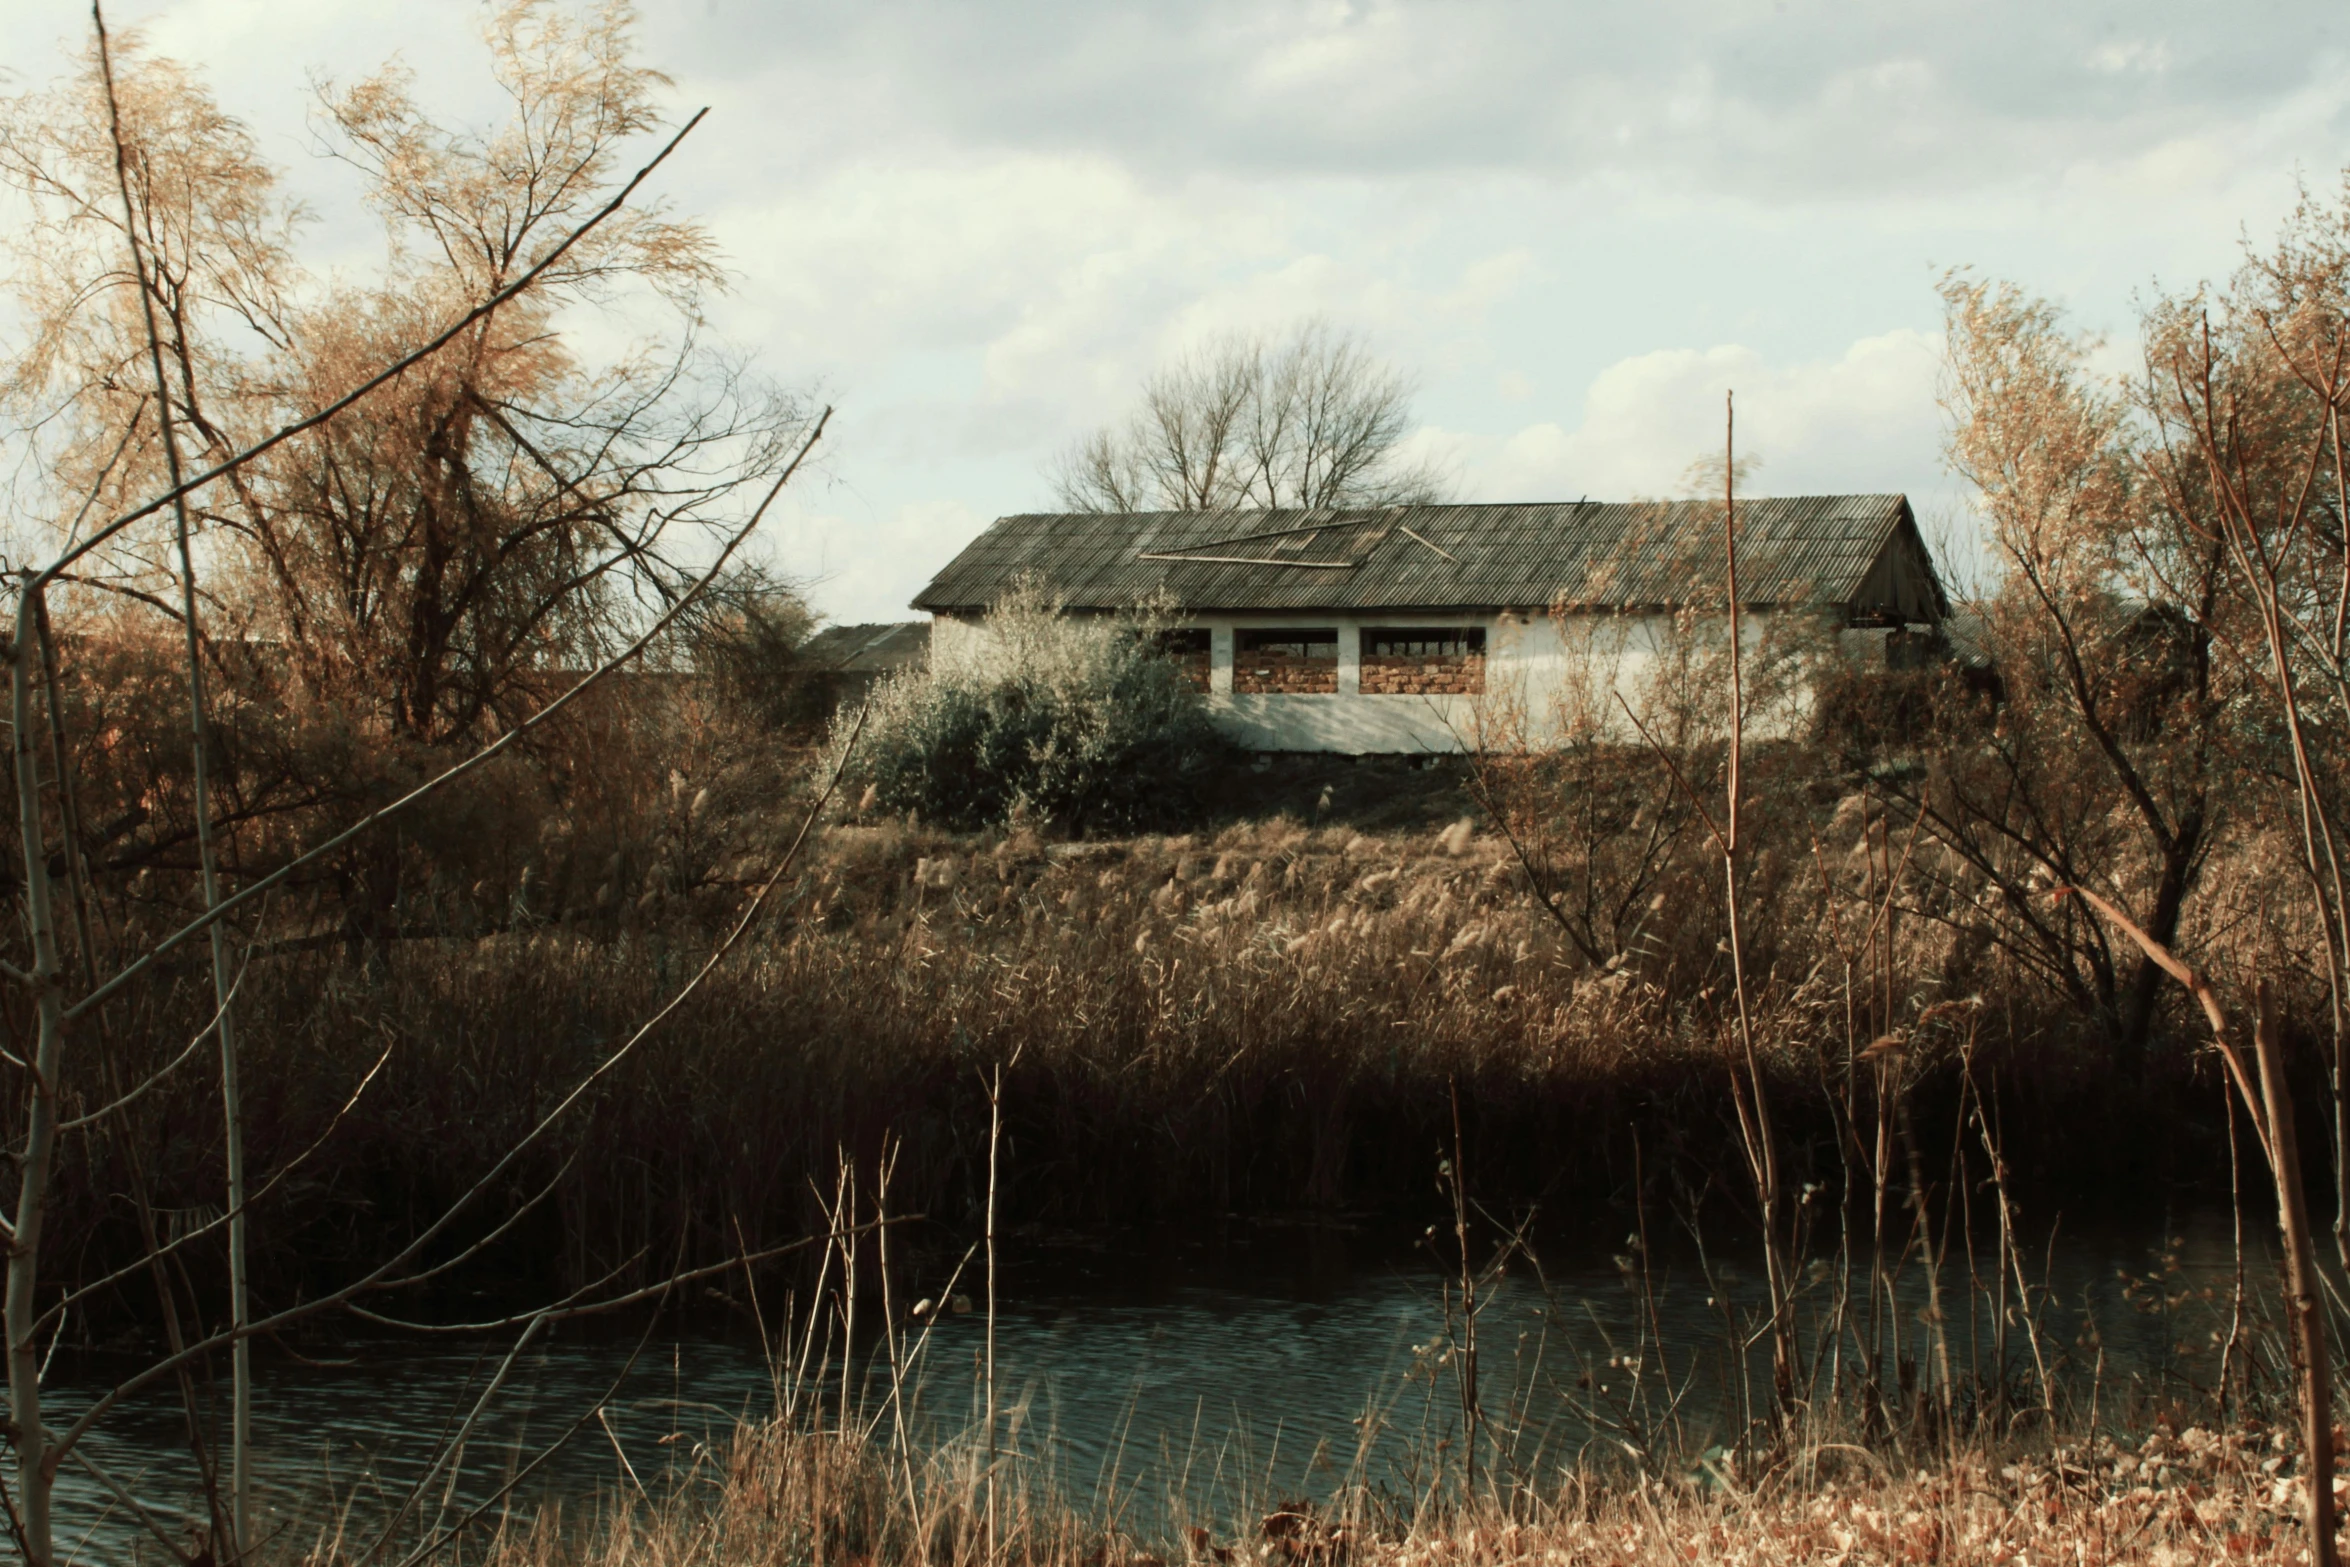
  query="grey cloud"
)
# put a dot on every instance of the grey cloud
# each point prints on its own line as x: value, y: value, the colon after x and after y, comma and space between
x: 1783, y: 99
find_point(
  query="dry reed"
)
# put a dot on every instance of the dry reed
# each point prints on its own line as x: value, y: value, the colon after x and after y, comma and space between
x: 1265, y: 1018
x: 2173, y: 1497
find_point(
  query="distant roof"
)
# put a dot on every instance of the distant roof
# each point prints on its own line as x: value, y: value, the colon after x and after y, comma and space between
x: 1811, y: 549
x: 1969, y: 636
x: 868, y: 649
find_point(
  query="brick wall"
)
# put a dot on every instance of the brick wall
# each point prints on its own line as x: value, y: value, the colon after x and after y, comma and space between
x: 1188, y: 651
x: 1284, y: 674
x: 1457, y: 674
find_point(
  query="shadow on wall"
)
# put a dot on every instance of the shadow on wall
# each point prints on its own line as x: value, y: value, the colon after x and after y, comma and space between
x: 1407, y: 726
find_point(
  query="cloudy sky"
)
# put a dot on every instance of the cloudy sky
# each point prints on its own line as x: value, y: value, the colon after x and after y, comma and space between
x: 976, y: 227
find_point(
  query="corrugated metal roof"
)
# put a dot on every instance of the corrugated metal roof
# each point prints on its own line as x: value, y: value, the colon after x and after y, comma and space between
x: 1808, y: 549
x: 868, y: 649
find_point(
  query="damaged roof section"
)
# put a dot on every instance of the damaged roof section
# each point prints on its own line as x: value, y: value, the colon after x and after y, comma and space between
x: 1858, y: 553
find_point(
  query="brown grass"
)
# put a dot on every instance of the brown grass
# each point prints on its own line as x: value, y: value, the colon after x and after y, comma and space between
x: 2175, y: 1496
x: 1266, y: 1018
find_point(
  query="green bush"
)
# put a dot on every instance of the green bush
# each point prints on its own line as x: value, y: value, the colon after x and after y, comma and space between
x: 1078, y: 722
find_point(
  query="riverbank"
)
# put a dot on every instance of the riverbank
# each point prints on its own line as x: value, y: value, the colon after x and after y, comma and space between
x: 2176, y: 1495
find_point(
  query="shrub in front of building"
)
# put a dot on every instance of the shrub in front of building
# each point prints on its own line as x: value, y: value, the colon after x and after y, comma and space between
x: 1084, y: 723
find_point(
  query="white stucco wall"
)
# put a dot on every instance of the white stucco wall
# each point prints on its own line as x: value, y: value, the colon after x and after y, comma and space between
x: 1541, y: 671
x: 953, y: 640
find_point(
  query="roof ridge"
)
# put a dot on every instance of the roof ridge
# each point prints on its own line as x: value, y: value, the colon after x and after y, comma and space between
x: 1519, y: 554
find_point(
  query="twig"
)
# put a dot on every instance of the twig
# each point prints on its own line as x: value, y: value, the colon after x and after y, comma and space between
x: 122, y: 1493
x: 376, y: 1278
x: 165, y: 1070
x: 389, y: 373
x: 2272, y: 1121
x: 449, y: 775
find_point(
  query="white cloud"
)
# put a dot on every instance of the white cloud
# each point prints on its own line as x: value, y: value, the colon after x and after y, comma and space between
x: 1865, y: 421
x: 978, y: 227
x: 863, y: 562
x: 2133, y: 54
x: 1708, y: 94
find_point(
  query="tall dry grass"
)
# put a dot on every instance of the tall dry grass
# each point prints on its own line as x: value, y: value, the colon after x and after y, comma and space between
x: 1237, y: 1004
x: 2176, y: 1496
x: 1266, y: 1018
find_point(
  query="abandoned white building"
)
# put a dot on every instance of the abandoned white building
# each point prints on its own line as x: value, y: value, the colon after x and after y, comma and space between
x: 1405, y: 629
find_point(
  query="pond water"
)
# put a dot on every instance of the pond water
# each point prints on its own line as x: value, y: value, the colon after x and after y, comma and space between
x: 1185, y: 1380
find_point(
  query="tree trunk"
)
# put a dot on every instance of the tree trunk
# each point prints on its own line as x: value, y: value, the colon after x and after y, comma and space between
x: 36, y: 1473
x: 2135, y: 1014
x: 2303, y: 1304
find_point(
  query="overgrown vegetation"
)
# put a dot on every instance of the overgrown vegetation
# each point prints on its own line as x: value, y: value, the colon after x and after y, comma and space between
x: 1810, y: 981
x: 773, y: 1497
x: 1038, y: 716
x: 386, y: 591
x: 1261, y: 1020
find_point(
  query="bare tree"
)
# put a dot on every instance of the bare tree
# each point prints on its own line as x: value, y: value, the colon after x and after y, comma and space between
x: 2248, y: 390
x: 391, y: 400
x: 400, y: 584
x: 2172, y: 637
x: 1313, y: 420
x: 2105, y: 748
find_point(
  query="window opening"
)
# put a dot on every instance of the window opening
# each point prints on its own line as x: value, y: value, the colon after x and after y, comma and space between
x: 1189, y: 651
x: 1423, y: 661
x: 1299, y: 662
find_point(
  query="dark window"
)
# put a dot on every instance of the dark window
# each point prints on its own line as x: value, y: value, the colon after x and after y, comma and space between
x: 1292, y: 644
x: 1423, y: 641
